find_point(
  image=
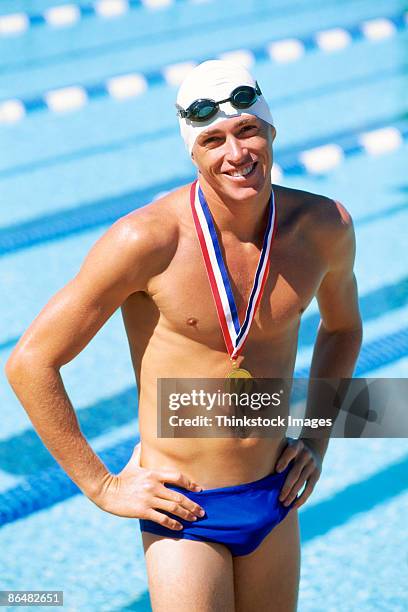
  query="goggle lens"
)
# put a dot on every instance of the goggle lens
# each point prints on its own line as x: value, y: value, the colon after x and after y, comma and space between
x: 203, y: 109
x: 244, y: 97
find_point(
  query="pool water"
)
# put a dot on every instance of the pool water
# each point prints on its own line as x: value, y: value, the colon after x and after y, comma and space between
x: 88, y: 133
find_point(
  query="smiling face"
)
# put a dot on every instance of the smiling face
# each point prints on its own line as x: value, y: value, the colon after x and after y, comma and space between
x: 235, y: 157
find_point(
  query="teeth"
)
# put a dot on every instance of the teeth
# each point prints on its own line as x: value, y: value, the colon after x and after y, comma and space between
x: 244, y: 171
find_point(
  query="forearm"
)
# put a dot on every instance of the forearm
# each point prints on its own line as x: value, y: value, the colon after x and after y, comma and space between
x: 42, y: 393
x: 334, y: 357
x: 335, y: 353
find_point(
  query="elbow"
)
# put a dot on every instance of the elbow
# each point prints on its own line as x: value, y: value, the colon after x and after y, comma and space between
x: 15, y: 367
x: 352, y: 334
x: 355, y: 335
x: 354, y: 338
x: 355, y: 329
x: 20, y: 364
x: 24, y: 362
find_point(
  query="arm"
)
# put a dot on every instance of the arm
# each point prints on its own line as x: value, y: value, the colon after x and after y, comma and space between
x: 336, y: 348
x: 120, y: 263
x: 339, y: 336
x: 63, y: 328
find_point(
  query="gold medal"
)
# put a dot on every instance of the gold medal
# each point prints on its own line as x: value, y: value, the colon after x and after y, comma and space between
x: 238, y: 372
x: 239, y: 380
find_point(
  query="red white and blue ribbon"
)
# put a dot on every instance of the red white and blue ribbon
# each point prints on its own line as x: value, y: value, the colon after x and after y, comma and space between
x: 234, y: 333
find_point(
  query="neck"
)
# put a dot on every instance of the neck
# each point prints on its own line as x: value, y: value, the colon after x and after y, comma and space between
x: 245, y: 219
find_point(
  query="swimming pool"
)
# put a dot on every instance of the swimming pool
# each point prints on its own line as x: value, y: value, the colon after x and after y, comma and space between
x: 74, y: 155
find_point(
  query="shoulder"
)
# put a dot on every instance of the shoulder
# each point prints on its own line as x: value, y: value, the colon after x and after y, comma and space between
x: 153, y: 227
x: 156, y: 223
x: 141, y: 244
x: 324, y: 221
x: 315, y: 209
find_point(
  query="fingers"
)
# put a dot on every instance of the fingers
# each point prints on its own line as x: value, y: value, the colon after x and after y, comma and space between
x: 182, y: 505
x: 163, y: 520
x: 294, y: 482
x: 175, y: 503
x: 304, y: 469
x: 155, y: 496
x: 291, y: 479
x: 179, y: 479
x: 308, y: 490
x: 174, y: 507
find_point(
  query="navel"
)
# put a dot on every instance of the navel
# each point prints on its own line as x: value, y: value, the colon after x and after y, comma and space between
x: 192, y: 321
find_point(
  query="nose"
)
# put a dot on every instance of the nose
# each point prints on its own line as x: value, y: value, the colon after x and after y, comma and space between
x: 235, y: 151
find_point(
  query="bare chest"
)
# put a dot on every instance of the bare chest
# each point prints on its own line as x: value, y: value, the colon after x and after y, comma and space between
x: 184, y: 298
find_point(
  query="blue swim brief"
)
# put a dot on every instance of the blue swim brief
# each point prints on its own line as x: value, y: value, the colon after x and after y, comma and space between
x: 239, y: 517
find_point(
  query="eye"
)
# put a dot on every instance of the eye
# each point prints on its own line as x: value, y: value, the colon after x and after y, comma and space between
x: 211, y: 140
x: 248, y: 128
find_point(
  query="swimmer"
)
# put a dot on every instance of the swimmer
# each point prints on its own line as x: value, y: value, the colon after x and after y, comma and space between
x: 212, y: 280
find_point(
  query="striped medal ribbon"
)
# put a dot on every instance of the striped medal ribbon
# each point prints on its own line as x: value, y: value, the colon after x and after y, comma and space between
x: 234, y: 334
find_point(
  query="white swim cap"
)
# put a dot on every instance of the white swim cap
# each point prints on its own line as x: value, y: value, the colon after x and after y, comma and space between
x: 216, y: 79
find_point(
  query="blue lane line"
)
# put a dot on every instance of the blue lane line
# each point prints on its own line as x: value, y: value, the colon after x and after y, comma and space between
x: 140, y: 29
x: 148, y: 136
x: 8, y: 344
x: 52, y: 485
x: 88, y: 10
x: 102, y: 212
x: 349, y: 143
x: 362, y: 496
x: 90, y: 151
x: 373, y: 305
x: 376, y: 216
x: 157, y: 77
x: 375, y: 354
x: 84, y: 218
x: 23, y: 454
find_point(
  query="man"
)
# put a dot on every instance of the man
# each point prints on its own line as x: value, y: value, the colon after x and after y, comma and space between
x: 167, y: 265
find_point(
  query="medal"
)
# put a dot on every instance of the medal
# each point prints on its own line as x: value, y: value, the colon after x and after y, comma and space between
x: 237, y: 372
x: 234, y: 333
x: 239, y: 381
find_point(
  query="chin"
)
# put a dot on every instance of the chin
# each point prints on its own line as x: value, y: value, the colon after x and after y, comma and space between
x: 244, y: 192
x: 241, y: 194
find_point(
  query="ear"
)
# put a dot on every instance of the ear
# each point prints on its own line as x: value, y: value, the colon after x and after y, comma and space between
x: 193, y: 160
x: 273, y: 133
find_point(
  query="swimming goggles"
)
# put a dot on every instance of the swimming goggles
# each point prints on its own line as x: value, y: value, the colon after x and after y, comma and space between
x: 203, y: 109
